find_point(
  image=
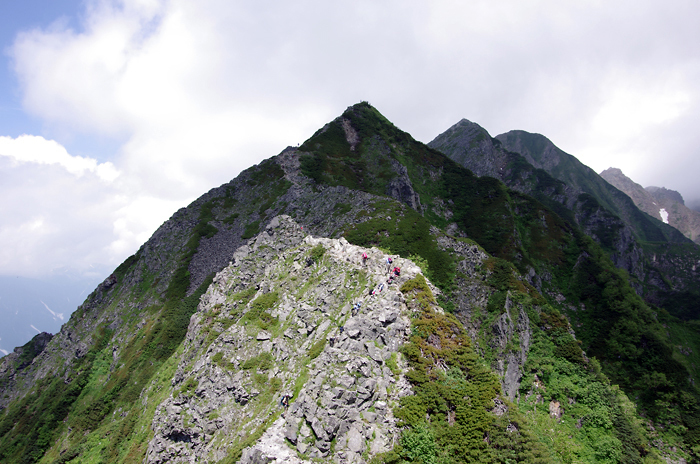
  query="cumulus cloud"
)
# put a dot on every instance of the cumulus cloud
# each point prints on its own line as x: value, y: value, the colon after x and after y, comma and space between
x: 63, y: 211
x: 199, y: 91
x: 36, y: 149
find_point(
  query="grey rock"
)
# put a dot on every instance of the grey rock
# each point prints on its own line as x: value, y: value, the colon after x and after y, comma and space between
x: 356, y: 442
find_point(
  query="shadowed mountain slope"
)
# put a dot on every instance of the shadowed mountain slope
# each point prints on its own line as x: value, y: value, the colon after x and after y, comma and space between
x: 659, y: 259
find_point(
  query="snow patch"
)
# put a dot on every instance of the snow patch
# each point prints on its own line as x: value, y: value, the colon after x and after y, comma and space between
x: 664, y: 215
x: 55, y: 315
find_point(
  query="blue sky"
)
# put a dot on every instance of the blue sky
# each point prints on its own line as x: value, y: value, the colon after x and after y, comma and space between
x: 115, y: 113
x: 18, y: 16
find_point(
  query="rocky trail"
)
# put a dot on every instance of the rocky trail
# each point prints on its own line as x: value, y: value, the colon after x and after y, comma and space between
x: 280, y: 319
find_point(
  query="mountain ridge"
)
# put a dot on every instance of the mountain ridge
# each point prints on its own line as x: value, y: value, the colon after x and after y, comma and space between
x: 634, y: 240
x: 488, y: 332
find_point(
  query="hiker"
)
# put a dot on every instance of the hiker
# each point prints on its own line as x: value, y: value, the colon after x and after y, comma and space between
x: 388, y: 263
x: 341, y: 328
x: 397, y: 271
x: 381, y: 287
x: 364, y: 257
x: 284, y: 402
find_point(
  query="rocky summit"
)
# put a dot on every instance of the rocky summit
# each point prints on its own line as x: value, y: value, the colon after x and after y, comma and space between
x: 364, y: 298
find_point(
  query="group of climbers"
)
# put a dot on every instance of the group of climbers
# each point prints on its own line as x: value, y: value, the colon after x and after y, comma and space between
x: 393, y: 273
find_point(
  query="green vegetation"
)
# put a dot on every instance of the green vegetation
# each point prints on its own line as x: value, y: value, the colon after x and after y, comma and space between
x: 567, y: 409
x: 124, y: 267
x: 81, y: 402
x: 263, y: 361
x: 188, y: 387
x: 406, y: 234
x: 341, y: 209
x: 617, y: 327
x: 258, y: 311
x: 317, y: 348
x: 244, y: 296
x: 251, y: 230
x: 448, y: 417
x: 317, y: 253
x: 231, y: 219
x: 29, y: 426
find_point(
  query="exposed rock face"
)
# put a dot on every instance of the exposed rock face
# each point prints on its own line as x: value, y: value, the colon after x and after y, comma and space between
x: 23, y: 356
x: 235, y: 367
x: 400, y: 188
x: 510, y: 362
x: 662, y: 193
x: 509, y: 335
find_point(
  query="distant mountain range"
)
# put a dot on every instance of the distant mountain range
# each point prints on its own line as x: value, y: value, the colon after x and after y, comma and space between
x: 658, y: 202
x: 660, y: 260
x: 530, y: 313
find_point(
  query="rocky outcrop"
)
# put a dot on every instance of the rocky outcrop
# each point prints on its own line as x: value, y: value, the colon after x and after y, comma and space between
x: 339, y: 365
x: 511, y: 340
x: 401, y: 189
x: 23, y: 356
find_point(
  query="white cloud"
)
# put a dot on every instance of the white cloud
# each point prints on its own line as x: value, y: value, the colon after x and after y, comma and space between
x: 36, y: 149
x: 200, y: 91
x: 52, y: 218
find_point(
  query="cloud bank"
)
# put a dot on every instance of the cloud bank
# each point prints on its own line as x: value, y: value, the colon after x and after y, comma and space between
x: 198, y: 91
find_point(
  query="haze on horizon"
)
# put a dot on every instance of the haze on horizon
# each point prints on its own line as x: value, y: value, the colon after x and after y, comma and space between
x: 114, y: 114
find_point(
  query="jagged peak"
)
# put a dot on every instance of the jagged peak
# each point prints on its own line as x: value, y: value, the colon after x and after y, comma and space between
x: 612, y: 171
x: 663, y: 192
x: 471, y: 126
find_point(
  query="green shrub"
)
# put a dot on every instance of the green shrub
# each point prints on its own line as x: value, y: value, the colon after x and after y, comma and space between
x: 188, y: 388
x: 258, y: 311
x: 251, y: 230
x: 317, y: 348
x: 317, y: 252
x: 418, y: 445
x: 263, y: 362
x: 231, y: 219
